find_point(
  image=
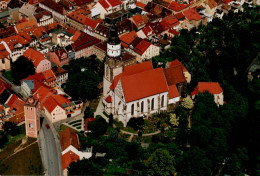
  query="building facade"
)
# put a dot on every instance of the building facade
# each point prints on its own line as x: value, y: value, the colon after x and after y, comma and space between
x: 32, y: 117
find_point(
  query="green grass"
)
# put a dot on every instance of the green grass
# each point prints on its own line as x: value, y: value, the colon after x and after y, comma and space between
x: 76, y: 124
x: 8, y: 75
x: 15, y: 138
x: 63, y: 127
x: 78, y: 127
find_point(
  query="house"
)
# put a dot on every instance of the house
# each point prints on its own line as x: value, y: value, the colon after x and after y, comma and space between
x: 27, y: 11
x: 43, y: 17
x: 30, y: 84
x: 71, y: 150
x: 58, y: 10
x: 144, y: 50
x: 40, y: 63
x: 49, y: 78
x: 59, y: 57
x: 140, y: 91
x: 178, y: 7
x: 100, y: 50
x: 80, y: 20
x: 211, y: 7
x: 24, y: 26
x: 212, y: 88
x: 84, y: 45
x: 60, y: 74
x: 193, y: 18
x: 4, y: 57
x: 3, y: 5
x: 105, y: 7
x: 171, y: 22
x: 61, y: 37
x: 138, y: 21
x: 128, y: 38
x: 146, y: 32
x: 175, y: 63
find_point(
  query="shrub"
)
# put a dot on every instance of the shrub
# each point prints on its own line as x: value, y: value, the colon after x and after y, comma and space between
x: 140, y: 133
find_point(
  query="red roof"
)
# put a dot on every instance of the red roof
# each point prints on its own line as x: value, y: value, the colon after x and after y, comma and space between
x: 170, y: 21
x: 68, y: 158
x: 12, y: 100
x: 76, y: 36
x: 174, y: 32
x: 142, y: 47
x: 127, y: 38
x: 138, y: 20
x: 84, y: 41
x: 175, y: 63
x: 173, y: 92
x: 191, y: 14
x: 35, y: 56
x: 69, y: 137
x: 147, y: 30
x: 91, y: 23
x: 177, y: 7
x: 140, y: 4
x: 114, y: 3
x: 49, y: 76
x: 132, y: 69
x: 227, y: 1
x: 144, y: 84
x: 174, y: 75
x: 211, y: 87
x: 179, y: 16
x: 86, y: 122
x: 50, y: 104
x: 60, y: 99
x: 109, y: 99
x: 104, y: 4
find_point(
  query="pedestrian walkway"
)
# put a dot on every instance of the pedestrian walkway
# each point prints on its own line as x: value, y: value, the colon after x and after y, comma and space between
x: 100, y: 109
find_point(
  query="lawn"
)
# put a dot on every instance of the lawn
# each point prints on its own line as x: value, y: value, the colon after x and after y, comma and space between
x: 75, y: 121
x: 8, y: 75
x: 25, y: 162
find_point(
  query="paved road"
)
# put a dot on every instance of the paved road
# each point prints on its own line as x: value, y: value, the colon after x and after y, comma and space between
x: 50, y: 151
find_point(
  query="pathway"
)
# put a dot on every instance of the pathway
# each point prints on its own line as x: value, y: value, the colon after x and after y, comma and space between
x: 100, y: 109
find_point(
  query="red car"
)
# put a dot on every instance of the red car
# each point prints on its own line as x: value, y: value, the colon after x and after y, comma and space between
x: 47, y: 126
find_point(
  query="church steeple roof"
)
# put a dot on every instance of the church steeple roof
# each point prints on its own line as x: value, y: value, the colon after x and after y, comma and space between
x: 113, y: 38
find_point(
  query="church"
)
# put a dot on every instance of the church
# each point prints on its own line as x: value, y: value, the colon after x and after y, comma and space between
x: 132, y: 89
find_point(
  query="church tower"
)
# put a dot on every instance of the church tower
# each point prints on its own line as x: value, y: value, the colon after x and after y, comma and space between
x: 32, y: 117
x: 114, y: 64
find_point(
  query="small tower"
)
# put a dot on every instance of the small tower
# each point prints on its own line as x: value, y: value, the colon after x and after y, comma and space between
x: 114, y: 64
x: 32, y: 117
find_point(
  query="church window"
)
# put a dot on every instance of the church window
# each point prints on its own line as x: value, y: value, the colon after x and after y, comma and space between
x: 152, y: 105
x: 162, y: 102
x: 142, y: 107
x: 132, y: 109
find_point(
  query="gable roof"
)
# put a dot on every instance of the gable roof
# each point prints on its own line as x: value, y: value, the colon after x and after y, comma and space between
x: 132, y: 69
x: 170, y: 21
x: 69, y: 137
x: 175, y: 63
x: 128, y: 38
x: 138, y: 20
x: 84, y: 41
x: 142, y: 47
x: 48, y: 75
x: 144, y: 84
x: 147, y: 30
x: 50, y: 104
x: 140, y: 4
x: 30, y: 24
x: 173, y: 92
x: 211, y: 87
x: 174, y: 75
x: 114, y: 3
x: 211, y: 3
x: 191, y: 14
x: 35, y: 56
x: 104, y: 4
x: 177, y: 7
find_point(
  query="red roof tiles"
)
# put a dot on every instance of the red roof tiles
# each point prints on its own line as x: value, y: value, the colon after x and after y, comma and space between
x: 175, y: 63
x: 144, y: 84
x: 35, y: 56
x: 128, y: 38
x: 142, y: 47
x: 138, y: 20
x: 191, y: 14
x: 140, y: 4
x: 50, y: 104
x: 174, y: 75
x: 211, y: 87
x: 114, y: 3
x: 177, y: 7
x: 173, y: 92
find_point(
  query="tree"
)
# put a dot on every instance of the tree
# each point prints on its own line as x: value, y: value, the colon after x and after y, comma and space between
x: 98, y: 127
x: 11, y: 128
x: 111, y: 120
x: 3, y: 139
x: 161, y: 163
x: 21, y: 69
x: 84, y: 167
x: 187, y: 103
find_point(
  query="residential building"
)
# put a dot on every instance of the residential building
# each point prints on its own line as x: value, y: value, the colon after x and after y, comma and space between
x: 100, y: 50
x: 61, y: 75
x: 175, y: 63
x: 59, y: 57
x: 212, y: 88
x: 193, y: 18
x: 61, y: 37
x: 40, y: 63
x: 105, y: 7
x: 71, y: 150
x: 43, y: 17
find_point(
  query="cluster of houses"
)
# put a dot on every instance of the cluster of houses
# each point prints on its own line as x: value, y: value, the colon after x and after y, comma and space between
x: 124, y: 33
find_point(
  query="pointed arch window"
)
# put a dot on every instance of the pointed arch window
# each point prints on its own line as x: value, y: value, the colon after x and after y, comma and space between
x: 162, y: 102
x: 132, y: 109
x: 142, y: 107
x: 152, y: 105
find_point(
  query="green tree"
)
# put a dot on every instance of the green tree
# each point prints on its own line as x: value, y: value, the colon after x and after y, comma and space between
x: 161, y: 163
x: 187, y: 103
x: 84, y: 167
x: 98, y: 127
x: 3, y: 139
x: 11, y: 128
x: 21, y: 69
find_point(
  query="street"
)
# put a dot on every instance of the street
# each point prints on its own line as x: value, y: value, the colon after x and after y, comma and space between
x: 49, y: 150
